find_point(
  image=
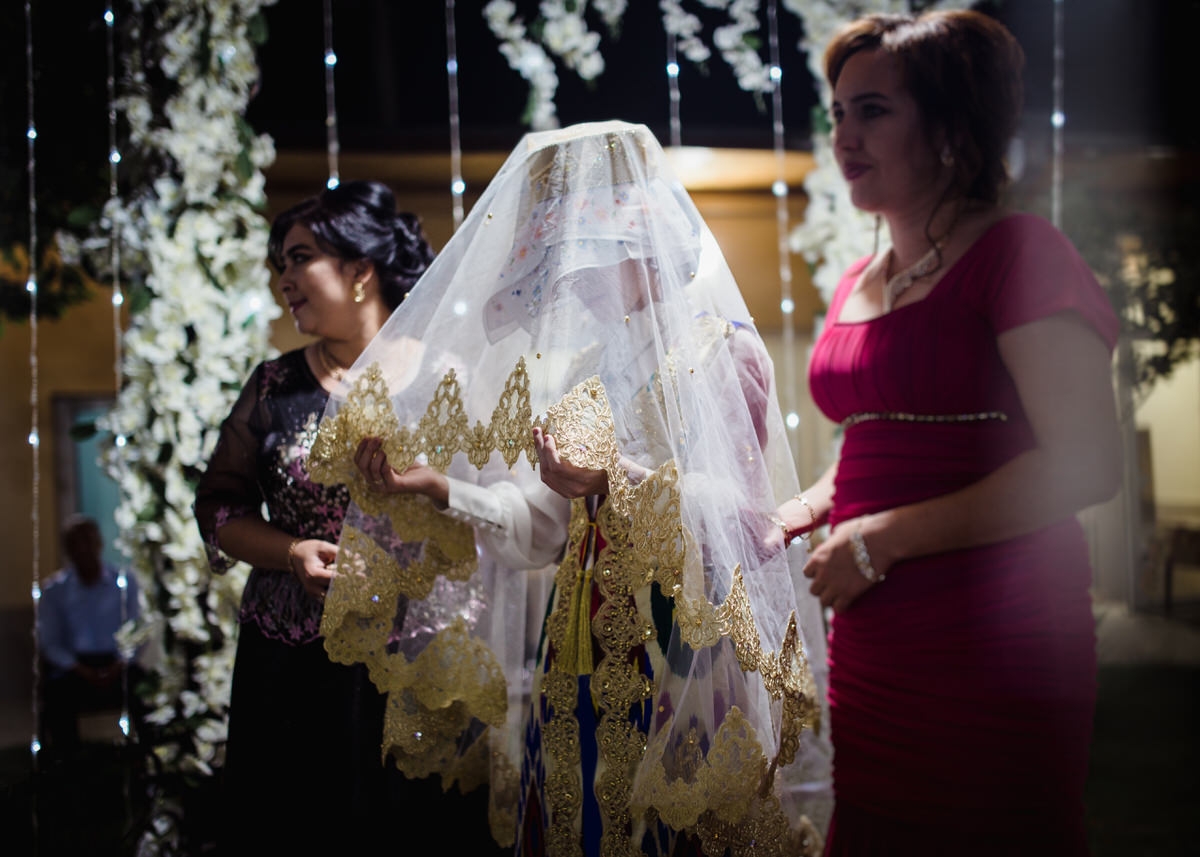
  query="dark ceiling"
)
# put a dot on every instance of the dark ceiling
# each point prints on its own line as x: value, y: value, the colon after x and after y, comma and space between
x: 1121, y: 59
x: 392, y: 88
x: 392, y: 93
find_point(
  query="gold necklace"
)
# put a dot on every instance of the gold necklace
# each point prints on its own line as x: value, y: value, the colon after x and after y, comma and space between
x: 328, y: 363
x: 899, y: 283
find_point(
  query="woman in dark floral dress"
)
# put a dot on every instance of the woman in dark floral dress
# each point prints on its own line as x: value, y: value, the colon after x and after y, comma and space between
x: 304, y: 771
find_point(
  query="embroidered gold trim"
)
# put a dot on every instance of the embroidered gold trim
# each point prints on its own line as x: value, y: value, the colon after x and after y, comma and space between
x: 433, y: 700
x: 441, y: 432
x: 646, y: 542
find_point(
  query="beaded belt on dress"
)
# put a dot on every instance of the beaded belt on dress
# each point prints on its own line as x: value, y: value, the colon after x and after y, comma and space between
x: 902, y: 417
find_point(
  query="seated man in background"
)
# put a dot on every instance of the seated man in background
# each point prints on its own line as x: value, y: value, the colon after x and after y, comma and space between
x: 82, y: 608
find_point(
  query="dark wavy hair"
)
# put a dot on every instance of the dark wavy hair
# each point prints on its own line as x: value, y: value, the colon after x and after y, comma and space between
x: 963, y: 68
x: 358, y: 220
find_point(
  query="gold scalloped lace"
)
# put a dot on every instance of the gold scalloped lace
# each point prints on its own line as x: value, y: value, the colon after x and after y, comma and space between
x: 647, y: 542
x: 456, y: 682
x: 442, y: 431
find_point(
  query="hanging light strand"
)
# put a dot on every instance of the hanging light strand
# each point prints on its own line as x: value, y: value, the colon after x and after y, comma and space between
x: 787, y: 305
x: 118, y: 299
x: 673, y: 88
x: 1057, y: 120
x: 31, y: 287
x: 457, y: 185
x: 332, y: 146
x: 114, y: 159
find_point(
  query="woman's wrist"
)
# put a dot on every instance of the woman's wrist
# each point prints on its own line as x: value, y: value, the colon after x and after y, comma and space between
x: 775, y: 519
x: 862, y: 557
x: 801, y: 531
x: 807, y: 528
x: 290, y: 565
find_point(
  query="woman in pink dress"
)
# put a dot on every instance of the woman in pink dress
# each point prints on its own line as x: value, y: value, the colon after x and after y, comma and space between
x: 969, y: 368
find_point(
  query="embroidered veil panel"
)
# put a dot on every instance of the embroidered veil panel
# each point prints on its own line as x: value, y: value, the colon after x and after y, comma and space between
x: 453, y: 691
x: 717, y: 786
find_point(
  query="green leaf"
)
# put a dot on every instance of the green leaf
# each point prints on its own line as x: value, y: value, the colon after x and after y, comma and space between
x: 243, y: 166
x: 139, y: 298
x: 256, y: 28
x: 82, y: 216
x: 819, y: 117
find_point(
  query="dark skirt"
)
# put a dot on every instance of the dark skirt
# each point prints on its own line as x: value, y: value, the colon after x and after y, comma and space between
x: 304, y: 772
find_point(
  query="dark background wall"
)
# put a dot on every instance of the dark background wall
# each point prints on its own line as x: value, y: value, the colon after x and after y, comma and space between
x: 1120, y: 58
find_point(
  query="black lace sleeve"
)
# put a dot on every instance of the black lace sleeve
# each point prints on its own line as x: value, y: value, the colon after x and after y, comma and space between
x: 230, y: 488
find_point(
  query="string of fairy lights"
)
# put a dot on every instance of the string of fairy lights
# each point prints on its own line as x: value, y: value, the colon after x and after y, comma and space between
x: 779, y: 188
x: 118, y: 300
x: 674, y: 95
x: 457, y: 186
x: 332, y: 145
x: 1058, y: 118
x: 31, y: 287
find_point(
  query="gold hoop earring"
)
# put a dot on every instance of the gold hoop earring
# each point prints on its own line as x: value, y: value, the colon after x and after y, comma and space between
x: 360, y: 293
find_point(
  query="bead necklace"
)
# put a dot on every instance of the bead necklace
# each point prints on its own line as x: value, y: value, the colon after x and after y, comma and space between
x: 328, y: 363
x: 899, y: 283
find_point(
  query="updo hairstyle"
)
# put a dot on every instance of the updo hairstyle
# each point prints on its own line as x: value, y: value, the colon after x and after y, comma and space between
x: 358, y: 220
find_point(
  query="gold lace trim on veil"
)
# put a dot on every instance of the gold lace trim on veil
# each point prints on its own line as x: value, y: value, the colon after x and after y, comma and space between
x: 726, y: 798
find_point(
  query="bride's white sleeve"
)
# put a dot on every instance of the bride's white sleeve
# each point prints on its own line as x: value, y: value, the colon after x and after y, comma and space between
x: 520, y: 525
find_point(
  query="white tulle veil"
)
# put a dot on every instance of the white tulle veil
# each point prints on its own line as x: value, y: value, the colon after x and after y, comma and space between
x: 585, y: 293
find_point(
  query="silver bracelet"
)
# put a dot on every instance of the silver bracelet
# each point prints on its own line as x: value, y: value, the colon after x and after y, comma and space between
x: 863, y: 559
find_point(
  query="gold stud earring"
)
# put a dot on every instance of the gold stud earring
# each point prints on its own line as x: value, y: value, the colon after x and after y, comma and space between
x: 360, y: 293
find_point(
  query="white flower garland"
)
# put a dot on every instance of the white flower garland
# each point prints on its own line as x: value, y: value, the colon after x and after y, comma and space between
x: 193, y: 243
x: 560, y: 30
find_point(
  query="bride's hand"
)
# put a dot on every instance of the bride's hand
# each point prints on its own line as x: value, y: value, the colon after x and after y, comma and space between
x: 563, y: 477
x: 372, y: 463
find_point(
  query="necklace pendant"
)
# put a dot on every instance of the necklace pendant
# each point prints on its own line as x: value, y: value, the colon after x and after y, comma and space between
x: 328, y: 363
x: 900, y: 282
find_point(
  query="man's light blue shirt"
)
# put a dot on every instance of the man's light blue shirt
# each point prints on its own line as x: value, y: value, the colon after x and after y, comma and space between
x: 74, y: 619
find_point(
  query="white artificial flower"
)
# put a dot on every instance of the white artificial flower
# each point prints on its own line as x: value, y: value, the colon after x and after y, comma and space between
x: 591, y: 66
x: 161, y: 716
x: 499, y: 13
